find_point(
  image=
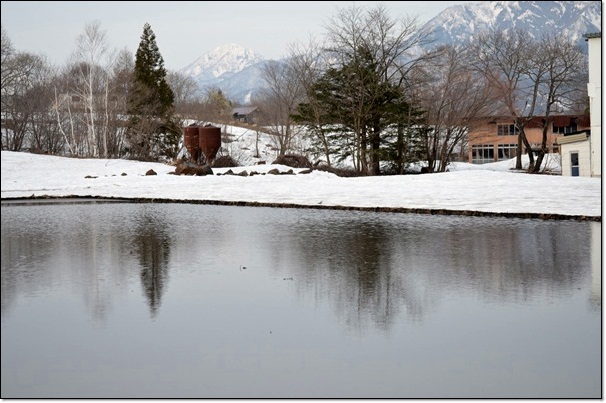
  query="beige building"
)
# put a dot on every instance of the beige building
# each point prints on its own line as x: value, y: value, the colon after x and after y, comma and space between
x: 582, y: 153
x: 496, y: 138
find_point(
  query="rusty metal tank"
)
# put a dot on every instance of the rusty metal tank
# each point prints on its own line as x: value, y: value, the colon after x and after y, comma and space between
x: 192, y: 143
x: 209, y: 138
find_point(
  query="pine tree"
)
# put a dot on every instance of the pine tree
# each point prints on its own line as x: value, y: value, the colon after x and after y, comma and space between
x: 151, y: 132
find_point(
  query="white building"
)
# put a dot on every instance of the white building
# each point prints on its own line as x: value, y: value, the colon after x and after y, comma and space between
x: 582, y: 153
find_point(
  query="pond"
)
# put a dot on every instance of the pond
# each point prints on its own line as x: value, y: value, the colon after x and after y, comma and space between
x: 126, y: 300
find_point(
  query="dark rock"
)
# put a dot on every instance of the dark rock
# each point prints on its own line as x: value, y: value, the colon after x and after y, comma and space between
x: 204, y: 170
x: 186, y: 168
x: 189, y: 168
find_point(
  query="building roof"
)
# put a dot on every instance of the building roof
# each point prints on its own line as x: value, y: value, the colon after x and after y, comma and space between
x: 593, y: 35
x: 574, y: 137
x: 537, y: 121
x: 244, y: 110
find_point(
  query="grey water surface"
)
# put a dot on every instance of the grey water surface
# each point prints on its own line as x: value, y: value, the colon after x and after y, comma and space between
x: 124, y: 300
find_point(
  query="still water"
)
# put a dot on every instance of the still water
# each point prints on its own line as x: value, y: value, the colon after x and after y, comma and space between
x: 175, y: 300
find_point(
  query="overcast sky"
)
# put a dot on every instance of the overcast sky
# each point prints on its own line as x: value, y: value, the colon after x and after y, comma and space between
x: 184, y: 30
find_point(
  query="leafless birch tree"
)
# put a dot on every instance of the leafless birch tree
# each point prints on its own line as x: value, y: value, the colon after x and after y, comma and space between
x: 92, y: 87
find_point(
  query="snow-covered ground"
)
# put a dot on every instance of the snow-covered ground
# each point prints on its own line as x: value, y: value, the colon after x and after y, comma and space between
x: 480, y: 188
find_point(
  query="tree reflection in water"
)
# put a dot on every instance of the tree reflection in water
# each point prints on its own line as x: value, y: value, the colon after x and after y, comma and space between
x: 152, y: 244
x: 376, y: 267
x: 370, y: 267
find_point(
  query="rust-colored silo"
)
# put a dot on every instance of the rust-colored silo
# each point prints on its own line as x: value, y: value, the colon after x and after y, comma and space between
x: 209, y: 141
x: 192, y: 142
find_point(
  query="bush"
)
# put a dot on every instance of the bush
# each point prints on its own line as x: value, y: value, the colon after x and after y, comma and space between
x: 293, y: 161
x: 342, y: 172
x: 225, y: 161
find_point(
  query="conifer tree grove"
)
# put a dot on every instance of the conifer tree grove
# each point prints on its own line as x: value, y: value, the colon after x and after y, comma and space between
x: 152, y: 133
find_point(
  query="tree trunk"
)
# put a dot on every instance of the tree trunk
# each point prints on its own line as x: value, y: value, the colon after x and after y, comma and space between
x: 519, y: 152
x: 375, y: 160
x: 400, y: 150
x: 528, y: 149
x: 542, y: 151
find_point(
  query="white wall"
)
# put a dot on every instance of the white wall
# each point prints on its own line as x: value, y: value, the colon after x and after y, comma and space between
x: 594, y: 90
x: 581, y: 147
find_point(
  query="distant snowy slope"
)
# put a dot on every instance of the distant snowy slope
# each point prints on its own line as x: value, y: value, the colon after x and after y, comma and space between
x: 457, y: 24
x: 221, y: 63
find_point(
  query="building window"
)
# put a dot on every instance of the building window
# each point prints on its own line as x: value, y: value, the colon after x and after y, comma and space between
x: 571, y: 128
x: 507, y: 151
x: 574, y: 164
x: 507, y: 130
x: 482, y: 153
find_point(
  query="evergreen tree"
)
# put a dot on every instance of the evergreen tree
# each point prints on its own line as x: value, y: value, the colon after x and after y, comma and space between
x: 357, y: 114
x: 152, y: 132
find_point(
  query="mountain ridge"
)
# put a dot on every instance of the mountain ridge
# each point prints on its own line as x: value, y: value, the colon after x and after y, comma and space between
x: 221, y: 63
x: 461, y: 22
x: 237, y: 70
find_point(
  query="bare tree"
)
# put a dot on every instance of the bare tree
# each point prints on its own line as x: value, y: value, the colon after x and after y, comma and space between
x: 504, y: 58
x: 44, y: 133
x: 92, y: 84
x: 531, y: 77
x: 455, y: 98
x: 307, y: 61
x: 16, y: 70
x: 119, y: 87
x: 9, y: 72
x: 19, y: 98
x: 279, y: 100
x: 559, y: 69
x: 187, y: 93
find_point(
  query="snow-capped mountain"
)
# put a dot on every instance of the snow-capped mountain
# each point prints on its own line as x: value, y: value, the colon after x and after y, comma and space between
x: 458, y: 24
x: 245, y: 84
x: 221, y: 63
x: 237, y: 71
